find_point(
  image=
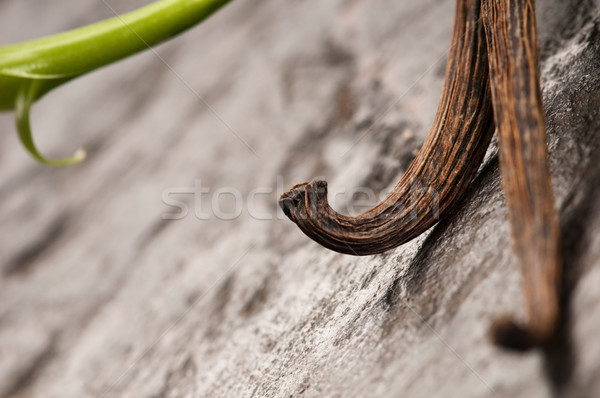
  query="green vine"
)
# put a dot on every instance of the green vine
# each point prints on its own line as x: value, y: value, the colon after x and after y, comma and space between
x: 31, y: 69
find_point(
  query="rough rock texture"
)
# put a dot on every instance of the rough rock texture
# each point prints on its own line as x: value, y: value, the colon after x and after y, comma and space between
x: 101, y: 294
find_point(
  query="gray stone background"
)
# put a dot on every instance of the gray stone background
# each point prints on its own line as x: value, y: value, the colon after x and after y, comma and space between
x: 101, y: 296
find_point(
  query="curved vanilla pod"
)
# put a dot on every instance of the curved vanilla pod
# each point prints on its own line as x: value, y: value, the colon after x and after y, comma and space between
x: 512, y: 41
x: 437, y: 177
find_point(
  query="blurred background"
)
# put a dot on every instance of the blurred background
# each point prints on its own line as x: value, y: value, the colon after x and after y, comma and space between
x: 162, y: 267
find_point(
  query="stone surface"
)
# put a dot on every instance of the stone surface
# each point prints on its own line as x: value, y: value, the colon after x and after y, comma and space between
x: 103, y: 294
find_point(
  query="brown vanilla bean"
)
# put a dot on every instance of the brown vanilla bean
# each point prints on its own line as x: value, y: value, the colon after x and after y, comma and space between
x: 440, y: 173
x: 513, y: 47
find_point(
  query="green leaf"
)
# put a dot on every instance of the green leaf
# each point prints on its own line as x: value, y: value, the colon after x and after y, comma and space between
x: 31, y: 69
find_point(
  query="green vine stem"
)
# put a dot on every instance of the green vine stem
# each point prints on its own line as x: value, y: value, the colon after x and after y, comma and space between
x: 31, y: 69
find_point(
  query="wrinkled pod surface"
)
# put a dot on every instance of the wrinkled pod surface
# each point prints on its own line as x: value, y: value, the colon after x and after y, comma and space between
x: 518, y: 111
x: 439, y: 174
